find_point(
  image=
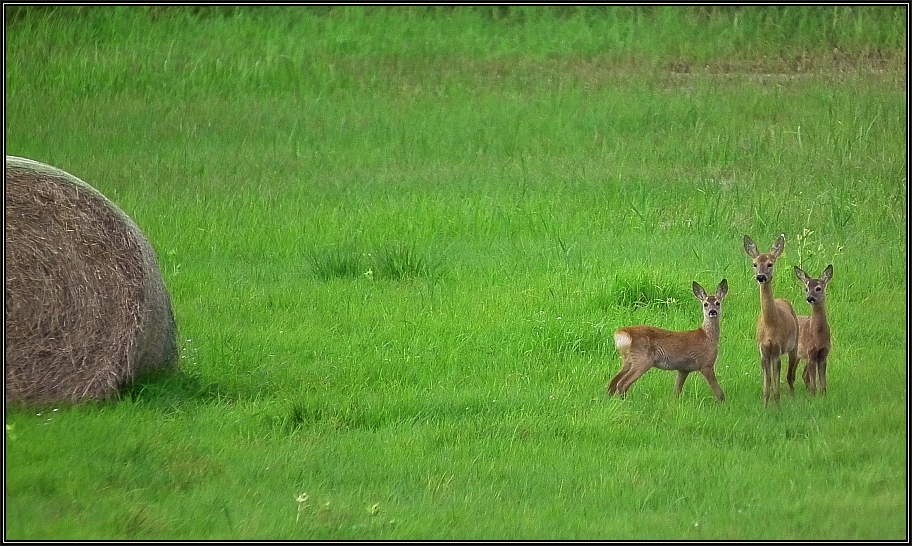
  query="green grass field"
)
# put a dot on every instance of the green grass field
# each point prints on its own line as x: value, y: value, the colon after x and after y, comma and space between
x: 398, y: 242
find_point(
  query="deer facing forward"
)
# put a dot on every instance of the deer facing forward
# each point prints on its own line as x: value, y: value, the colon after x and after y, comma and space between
x: 813, y: 331
x: 645, y: 347
x: 777, y: 325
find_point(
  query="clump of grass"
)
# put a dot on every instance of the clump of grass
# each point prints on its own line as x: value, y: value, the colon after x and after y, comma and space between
x: 402, y: 261
x: 398, y: 261
x: 640, y: 290
x: 336, y: 263
x: 344, y: 415
x: 303, y: 415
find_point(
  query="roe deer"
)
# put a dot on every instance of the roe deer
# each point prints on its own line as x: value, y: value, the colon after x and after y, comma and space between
x: 645, y: 347
x: 813, y: 331
x: 777, y: 326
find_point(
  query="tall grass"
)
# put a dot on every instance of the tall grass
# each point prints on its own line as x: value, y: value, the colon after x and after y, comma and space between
x: 398, y: 242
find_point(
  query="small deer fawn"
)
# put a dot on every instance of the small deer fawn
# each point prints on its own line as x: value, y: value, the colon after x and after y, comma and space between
x: 645, y: 347
x: 813, y: 331
x: 777, y: 325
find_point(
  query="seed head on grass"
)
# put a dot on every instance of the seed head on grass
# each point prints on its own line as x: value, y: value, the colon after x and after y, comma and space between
x: 302, y: 503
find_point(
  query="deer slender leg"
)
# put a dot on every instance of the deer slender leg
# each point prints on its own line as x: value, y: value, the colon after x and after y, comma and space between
x: 776, y: 369
x: 765, y: 366
x: 612, y: 385
x: 710, y: 376
x: 679, y: 381
x: 636, y: 371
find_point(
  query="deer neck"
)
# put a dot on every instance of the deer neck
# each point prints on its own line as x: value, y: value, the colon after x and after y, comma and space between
x: 768, y: 309
x: 711, y: 328
x: 818, y: 315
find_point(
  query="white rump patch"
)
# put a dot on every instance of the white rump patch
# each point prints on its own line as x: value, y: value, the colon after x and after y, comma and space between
x: 622, y: 340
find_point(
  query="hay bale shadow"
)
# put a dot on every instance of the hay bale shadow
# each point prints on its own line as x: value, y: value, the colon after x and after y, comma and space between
x: 87, y: 310
x: 167, y: 389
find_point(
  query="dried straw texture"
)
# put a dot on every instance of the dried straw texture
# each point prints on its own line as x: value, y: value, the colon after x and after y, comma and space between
x: 87, y: 310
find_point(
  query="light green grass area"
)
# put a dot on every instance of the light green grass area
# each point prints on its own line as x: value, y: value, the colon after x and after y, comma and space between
x: 398, y: 242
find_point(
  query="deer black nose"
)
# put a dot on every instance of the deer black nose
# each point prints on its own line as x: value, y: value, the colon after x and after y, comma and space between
x: 713, y: 312
x: 811, y: 299
x: 761, y: 279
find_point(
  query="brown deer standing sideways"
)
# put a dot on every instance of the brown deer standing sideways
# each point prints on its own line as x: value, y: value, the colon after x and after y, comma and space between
x: 645, y: 347
x: 813, y: 331
x: 777, y: 325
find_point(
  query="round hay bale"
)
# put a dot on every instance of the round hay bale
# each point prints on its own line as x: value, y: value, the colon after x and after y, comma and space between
x: 87, y: 310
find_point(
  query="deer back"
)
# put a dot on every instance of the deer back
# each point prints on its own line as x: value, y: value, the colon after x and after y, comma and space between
x: 666, y: 349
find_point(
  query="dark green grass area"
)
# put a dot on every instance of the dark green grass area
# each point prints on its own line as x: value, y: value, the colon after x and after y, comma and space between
x: 398, y: 241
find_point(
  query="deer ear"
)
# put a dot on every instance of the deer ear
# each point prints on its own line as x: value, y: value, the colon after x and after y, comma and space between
x: 750, y: 247
x: 802, y: 276
x: 722, y: 290
x: 698, y: 291
x: 776, y: 251
x: 827, y: 274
